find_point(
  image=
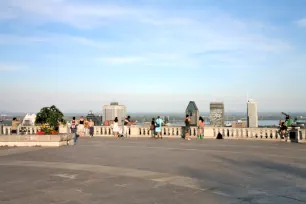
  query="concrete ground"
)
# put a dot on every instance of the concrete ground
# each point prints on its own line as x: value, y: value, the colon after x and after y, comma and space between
x: 111, y: 170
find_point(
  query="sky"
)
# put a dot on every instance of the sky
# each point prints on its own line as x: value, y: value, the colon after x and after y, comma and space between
x: 152, y: 55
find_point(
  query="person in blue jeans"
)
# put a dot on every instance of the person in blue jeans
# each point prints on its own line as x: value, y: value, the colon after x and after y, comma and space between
x: 158, y: 127
x: 80, y: 130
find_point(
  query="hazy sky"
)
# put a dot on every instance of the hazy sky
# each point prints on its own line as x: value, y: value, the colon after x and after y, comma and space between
x: 152, y: 55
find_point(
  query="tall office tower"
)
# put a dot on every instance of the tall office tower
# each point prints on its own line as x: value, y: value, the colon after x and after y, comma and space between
x: 217, y: 114
x: 193, y: 112
x: 252, y: 114
x: 114, y: 110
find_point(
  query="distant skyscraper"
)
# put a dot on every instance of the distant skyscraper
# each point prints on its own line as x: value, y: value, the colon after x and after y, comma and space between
x: 252, y: 114
x: 217, y: 114
x: 114, y: 110
x: 193, y: 111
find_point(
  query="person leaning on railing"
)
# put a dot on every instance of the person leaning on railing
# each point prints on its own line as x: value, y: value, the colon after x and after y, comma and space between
x: 201, y: 128
x: 283, y: 129
x: 15, y: 124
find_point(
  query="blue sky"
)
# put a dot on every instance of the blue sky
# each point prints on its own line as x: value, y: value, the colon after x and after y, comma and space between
x: 152, y: 55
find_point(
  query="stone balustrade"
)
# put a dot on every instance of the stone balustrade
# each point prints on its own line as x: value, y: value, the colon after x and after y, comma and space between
x: 178, y: 131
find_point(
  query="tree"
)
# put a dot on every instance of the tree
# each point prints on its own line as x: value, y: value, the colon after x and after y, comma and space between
x: 50, y: 115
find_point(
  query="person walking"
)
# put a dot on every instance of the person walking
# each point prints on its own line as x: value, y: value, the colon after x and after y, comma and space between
x: 73, y: 126
x: 158, y: 127
x: 116, y: 127
x: 152, y: 127
x: 187, y: 127
x: 91, y: 127
x: 201, y: 128
x: 127, y: 123
x: 80, y: 130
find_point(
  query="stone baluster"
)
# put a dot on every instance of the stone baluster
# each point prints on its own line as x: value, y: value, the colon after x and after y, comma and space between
x: 243, y: 133
x: 266, y: 134
x: 250, y: 133
x: 238, y: 132
x: 96, y: 130
x: 35, y: 130
x: 224, y: 132
x: 234, y: 133
x: 230, y: 132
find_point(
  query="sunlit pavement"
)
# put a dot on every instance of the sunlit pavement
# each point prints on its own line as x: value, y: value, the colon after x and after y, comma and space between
x: 130, y: 170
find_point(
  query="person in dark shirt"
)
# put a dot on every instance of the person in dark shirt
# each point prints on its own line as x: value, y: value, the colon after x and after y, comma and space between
x: 283, y: 130
x: 152, y: 127
x: 187, y: 127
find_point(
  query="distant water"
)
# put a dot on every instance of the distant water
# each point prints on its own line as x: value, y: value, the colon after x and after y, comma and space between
x: 260, y: 123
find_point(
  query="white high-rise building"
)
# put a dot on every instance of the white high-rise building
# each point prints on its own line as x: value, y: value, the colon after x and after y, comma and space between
x: 114, y: 110
x: 252, y: 114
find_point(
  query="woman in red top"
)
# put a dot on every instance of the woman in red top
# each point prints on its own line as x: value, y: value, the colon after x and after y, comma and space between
x: 201, y: 128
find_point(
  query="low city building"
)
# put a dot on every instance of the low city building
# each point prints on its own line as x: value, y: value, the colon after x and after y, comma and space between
x: 239, y: 124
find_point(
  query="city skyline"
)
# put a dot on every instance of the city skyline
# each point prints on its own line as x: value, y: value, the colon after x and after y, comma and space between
x: 152, y: 56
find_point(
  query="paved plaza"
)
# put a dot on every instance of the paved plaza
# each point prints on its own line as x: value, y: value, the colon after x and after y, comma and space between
x: 141, y: 171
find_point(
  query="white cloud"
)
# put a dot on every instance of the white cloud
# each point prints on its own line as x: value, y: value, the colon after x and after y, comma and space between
x: 50, y: 38
x: 120, y: 60
x: 301, y: 22
x: 9, y: 68
x: 75, y: 14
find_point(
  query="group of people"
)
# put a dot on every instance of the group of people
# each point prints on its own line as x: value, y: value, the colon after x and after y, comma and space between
x: 82, y: 127
x: 121, y: 132
x: 156, y: 128
x: 283, y: 129
x: 200, y: 125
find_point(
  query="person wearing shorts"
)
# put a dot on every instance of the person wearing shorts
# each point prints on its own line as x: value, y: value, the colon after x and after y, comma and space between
x: 158, y: 127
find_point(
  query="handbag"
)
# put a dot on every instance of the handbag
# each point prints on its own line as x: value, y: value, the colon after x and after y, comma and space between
x: 152, y: 127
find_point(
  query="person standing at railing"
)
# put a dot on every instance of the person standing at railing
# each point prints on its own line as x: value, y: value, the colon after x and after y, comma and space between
x: 283, y: 130
x: 187, y: 127
x: 127, y: 123
x: 86, y: 126
x: 15, y: 124
x: 91, y: 127
x: 116, y: 127
x: 152, y: 127
x: 158, y: 127
x: 201, y: 128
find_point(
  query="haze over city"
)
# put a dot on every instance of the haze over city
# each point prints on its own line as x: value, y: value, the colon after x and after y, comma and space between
x: 152, y: 56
